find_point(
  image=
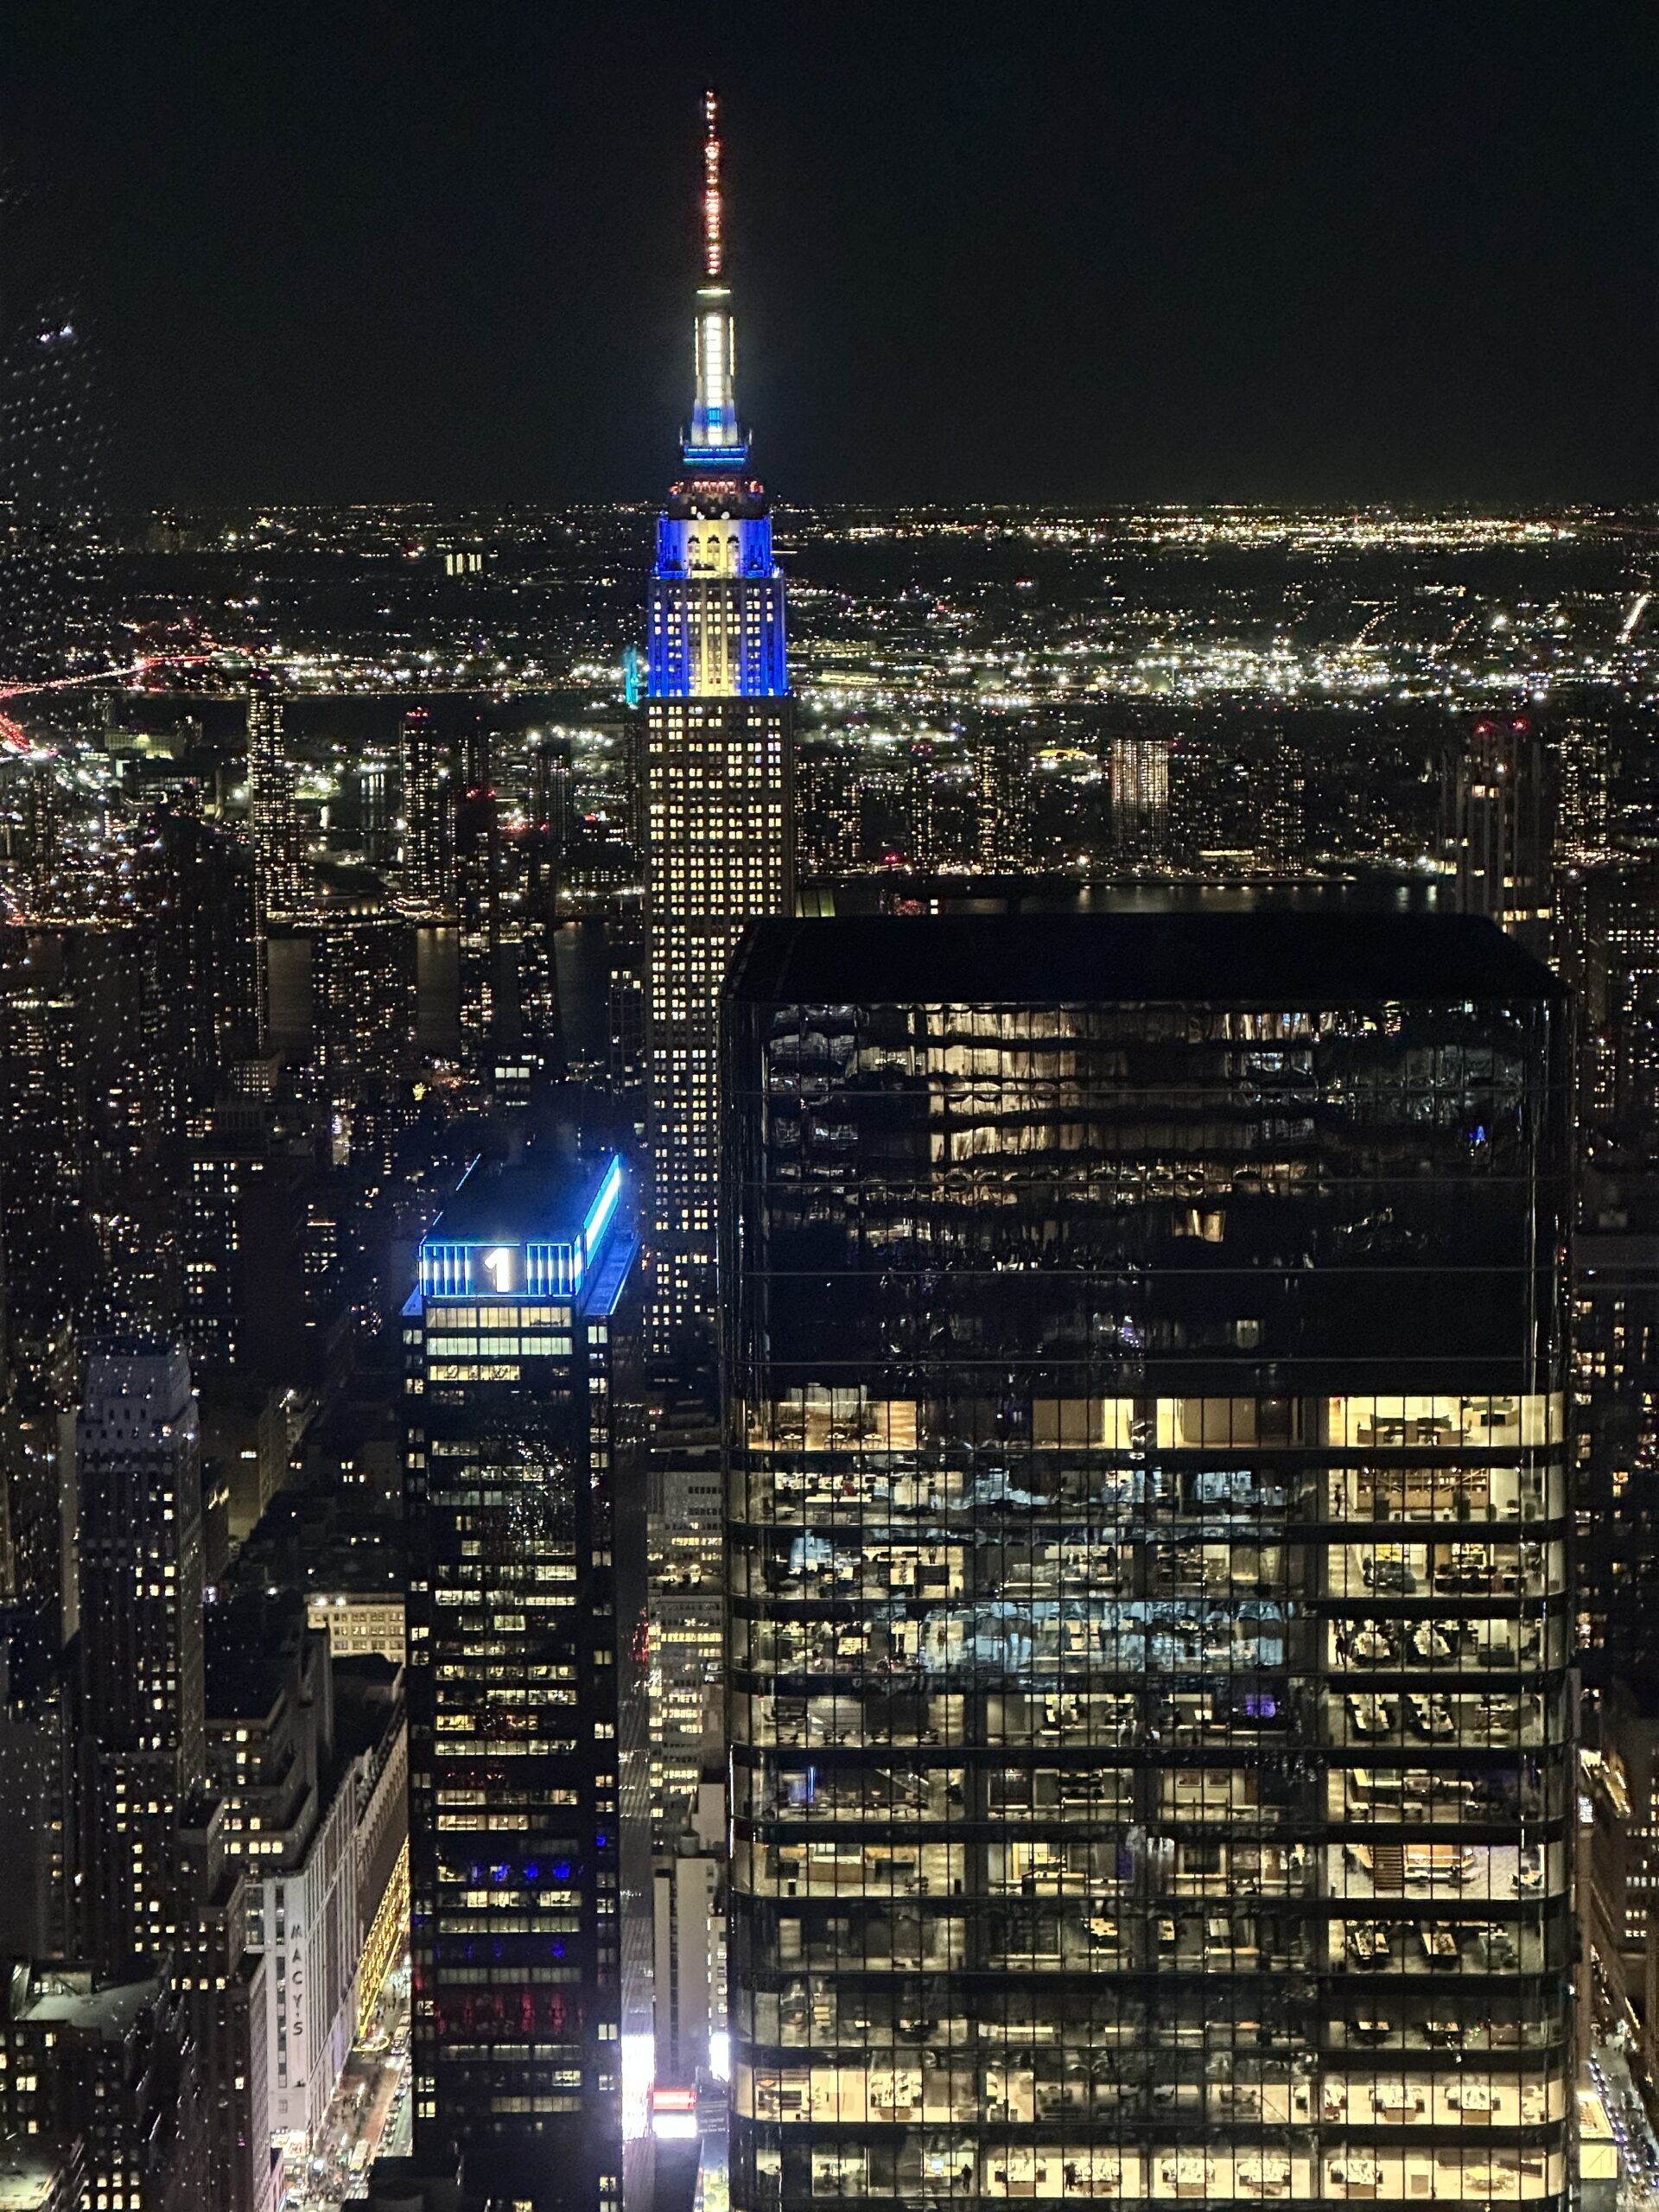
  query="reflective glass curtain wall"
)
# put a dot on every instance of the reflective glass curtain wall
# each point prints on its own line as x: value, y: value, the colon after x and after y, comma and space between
x: 1147, y: 1562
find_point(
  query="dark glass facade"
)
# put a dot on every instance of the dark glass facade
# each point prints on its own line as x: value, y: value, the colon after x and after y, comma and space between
x: 1147, y: 1566
x: 529, y: 1760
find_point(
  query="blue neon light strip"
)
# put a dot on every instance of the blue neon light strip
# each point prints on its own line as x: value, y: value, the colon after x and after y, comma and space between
x: 599, y: 1214
x: 446, y: 1270
x: 550, y: 1270
x: 548, y: 1267
x: 720, y: 456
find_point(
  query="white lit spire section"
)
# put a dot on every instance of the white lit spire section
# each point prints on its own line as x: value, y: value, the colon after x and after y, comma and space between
x: 715, y: 421
x: 715, y: 436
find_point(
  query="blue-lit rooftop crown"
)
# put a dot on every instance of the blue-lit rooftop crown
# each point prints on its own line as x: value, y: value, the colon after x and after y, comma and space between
x: 530, y: 1233
x: 716, y: 598
x: 714, y: 438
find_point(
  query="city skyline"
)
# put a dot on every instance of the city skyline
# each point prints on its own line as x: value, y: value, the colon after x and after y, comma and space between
x: 829, y: 1334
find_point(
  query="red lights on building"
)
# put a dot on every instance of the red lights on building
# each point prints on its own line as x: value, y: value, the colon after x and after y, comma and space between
x: 711, y: 239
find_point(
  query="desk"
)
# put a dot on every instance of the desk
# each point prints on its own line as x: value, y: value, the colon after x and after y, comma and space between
x: 1392, y: 2104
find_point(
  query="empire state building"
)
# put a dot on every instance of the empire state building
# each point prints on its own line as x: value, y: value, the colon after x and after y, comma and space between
x: 718, y: 781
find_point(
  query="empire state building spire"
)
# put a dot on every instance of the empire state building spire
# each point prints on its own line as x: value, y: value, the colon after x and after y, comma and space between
x: 714, y: 437
x: 711, y: 212
x: 717, y: 598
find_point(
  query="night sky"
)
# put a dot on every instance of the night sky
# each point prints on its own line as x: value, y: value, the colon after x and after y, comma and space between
x: 1093, y: 251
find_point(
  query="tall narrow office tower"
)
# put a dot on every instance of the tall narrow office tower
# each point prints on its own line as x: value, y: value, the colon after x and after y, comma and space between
x: 1585, y: 813
x: 489, y: 943
x: 138, y: 1452
x: 1140, y: 773
x: 156, y: 1888
x: 719, y: 836
x: 1147, y: 1528
x: 1496, y: 819
x: 426, y: 849
x: 278, y: 854
x: 529, y: 1757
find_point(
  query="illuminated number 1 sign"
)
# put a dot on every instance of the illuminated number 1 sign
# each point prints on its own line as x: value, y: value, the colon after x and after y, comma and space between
x: 497, y: 1265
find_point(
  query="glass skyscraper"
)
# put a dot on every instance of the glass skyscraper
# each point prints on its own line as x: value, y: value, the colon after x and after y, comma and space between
x: 529, y: 1762
x: 1148, y: 1563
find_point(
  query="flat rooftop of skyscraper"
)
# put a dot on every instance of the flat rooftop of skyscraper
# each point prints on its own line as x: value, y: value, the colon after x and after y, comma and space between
x: 547, y: 1196
x: 553, y: 1227
x: 73, y: 1997
x: 1271, y: 959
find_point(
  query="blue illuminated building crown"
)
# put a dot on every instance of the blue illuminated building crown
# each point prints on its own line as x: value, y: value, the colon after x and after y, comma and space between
x: 716, y: 597
x: 536, y: 1232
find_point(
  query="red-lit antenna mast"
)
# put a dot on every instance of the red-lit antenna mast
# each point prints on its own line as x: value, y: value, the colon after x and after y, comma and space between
x: 711, y: 242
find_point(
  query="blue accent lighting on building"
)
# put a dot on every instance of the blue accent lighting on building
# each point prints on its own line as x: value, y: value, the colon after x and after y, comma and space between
x: 557, y: 1247
x: 716, y: 600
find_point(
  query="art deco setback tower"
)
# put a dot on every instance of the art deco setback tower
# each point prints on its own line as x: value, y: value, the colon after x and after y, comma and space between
x: 1147, y: 1536
x: 529, y: 1757
x: 719, y: 828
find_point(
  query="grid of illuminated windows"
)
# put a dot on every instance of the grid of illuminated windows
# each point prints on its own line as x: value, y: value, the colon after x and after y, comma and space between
x: 469, y: 1340
x: 1149, y: 1603
x: 686, y: 1568
x: 718, y: 800
x: 505, y: 1886
x: 521, y: 1694
x: 138, y: 1474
